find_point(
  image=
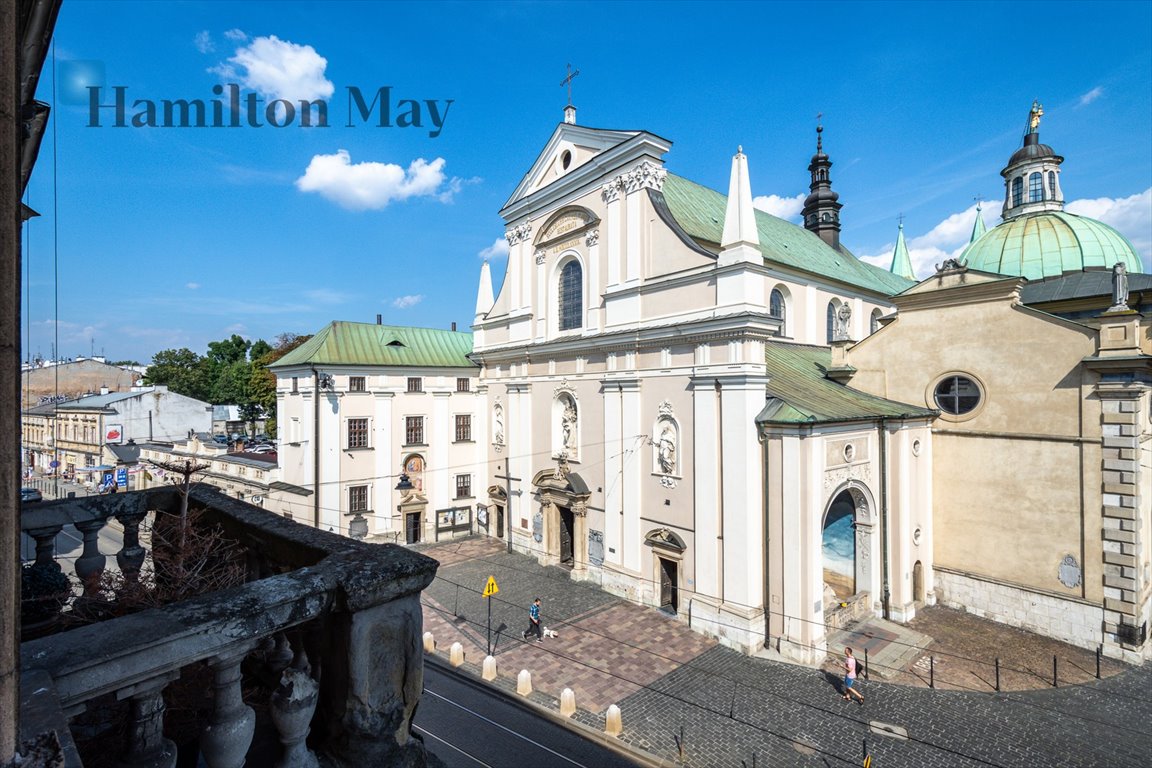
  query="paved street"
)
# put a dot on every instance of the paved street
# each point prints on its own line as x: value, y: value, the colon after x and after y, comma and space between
x: 736, y: 710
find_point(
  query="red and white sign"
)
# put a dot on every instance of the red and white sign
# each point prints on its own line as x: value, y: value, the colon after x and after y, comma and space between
x: 114, y: 434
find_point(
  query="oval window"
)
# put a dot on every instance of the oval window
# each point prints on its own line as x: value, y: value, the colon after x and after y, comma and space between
x: 957, y: 395
x: 566, y: 159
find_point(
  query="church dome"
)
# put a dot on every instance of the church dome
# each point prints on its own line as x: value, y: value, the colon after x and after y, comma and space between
x: 1048, y: 244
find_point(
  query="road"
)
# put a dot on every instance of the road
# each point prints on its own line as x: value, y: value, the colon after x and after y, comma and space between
x: 468, y: 725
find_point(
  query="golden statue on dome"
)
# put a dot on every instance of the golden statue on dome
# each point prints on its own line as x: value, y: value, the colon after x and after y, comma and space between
x: 1034, y: 116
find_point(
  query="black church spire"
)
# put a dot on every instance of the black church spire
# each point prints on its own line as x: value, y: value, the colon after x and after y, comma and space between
x: 822, y: 206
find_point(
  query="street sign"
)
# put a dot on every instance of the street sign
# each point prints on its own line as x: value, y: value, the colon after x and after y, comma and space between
x: 490, y: 588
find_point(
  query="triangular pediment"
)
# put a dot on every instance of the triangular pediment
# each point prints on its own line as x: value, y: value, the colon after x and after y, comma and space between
x: 572, y: 148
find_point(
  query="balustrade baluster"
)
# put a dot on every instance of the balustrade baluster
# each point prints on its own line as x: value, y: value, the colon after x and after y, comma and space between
x: 45, y: 542
x: 147, y: 747
x: 225, y: 740
x: 90, y: 565
x: 131, y: 556
x: 292, y: 706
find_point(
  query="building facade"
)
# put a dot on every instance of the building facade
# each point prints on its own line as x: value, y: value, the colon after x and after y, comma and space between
x: 363, y: 407
x: 645, y: 369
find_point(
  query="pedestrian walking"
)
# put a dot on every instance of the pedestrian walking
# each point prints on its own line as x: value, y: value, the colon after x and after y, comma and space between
x: 850, y: 677
x: 534, y: 622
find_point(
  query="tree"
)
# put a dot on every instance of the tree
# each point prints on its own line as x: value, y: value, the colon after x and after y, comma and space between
x: 182, y: 371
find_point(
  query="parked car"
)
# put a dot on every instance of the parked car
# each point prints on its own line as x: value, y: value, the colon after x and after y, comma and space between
x: 263, y: 449
x: 28, y: 495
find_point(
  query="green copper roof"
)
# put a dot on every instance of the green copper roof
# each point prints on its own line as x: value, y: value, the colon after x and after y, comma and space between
x: 901, y: 261
x: 344, y: 343
x: 700, y: 213
x: 799, y: 393
x: 1050, y: 243
x: 978, y: 226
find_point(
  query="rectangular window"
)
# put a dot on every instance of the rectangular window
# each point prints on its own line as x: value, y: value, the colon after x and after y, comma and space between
x: 357, y: 433
x: 356, y: 384
x: 358, y: 498
x: 415, y: 384
x: 463, y: 428
x: 414, y: 430
x: 463, y: 385
x: 295, y: 384
x: 463, y: 486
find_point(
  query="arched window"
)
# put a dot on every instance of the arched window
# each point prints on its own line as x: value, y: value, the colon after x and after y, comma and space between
x: 831, y: 321
x: 776, y: 308
x: 1017, y: 190
x: 1051, y: 185
x: 876, y: 313
x: 571, y: 296
x: 1035, y: 187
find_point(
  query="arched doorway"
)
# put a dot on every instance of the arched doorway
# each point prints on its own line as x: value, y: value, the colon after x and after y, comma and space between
x: 667, y: 556
x: 847, y: 557
x: 838, y: 544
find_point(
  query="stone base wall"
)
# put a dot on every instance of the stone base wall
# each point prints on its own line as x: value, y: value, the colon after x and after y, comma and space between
x: 1070, y: 621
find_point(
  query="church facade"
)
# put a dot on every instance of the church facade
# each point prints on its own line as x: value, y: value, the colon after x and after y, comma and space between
x: 660, y: 421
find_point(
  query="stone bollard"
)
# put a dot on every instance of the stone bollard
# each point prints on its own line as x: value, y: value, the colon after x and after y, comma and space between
x: 489, y: 668
x: 567, y: 703
x: 456, y: 654
x: 524, y: 682
x: 612, y: 724
x: 429, y: 643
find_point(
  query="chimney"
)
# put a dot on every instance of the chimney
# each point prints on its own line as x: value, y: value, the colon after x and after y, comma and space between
x: 104, y: 390
x: 453, y: 325
x: 379, y: 319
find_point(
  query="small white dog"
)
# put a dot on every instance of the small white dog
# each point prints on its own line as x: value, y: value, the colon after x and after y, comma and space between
x: 550, y: 633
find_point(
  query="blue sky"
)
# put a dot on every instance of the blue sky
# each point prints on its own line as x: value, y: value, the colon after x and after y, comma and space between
x: 153, y: 238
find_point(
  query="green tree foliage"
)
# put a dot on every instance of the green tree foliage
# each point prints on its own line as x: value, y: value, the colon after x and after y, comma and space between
x: 262, y: 385
x: 182, y: 371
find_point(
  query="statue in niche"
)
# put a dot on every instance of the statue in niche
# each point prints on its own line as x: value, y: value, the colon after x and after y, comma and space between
x: 843, y: 316
x: 666, y: 450
x: 568, y: 425
x: 498, y: 422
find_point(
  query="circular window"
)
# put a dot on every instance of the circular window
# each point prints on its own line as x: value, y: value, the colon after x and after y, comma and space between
x: 566, y: 159
x: 849, y: 452
x: 915, y: 447
x: 956, y: 395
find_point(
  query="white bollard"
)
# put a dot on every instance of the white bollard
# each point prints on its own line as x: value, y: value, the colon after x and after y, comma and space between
x: 612, y: 724
x: 456, y: 655
x: 524, y: 682
x: 489, y: 668
x: 567, y: 703
x: 429, y: 643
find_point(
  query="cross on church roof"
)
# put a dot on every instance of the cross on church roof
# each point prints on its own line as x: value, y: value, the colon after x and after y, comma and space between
x: 567, y: 81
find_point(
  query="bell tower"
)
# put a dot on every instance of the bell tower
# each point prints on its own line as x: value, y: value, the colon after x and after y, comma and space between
x: 822, y: 207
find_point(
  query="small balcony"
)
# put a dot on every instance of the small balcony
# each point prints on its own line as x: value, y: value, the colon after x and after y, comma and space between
x: 313, y: 657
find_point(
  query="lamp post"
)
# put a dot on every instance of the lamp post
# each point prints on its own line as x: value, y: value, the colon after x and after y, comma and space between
x: 404, y: 486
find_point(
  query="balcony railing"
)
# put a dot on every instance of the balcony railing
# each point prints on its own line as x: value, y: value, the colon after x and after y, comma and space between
x: 336, y: 622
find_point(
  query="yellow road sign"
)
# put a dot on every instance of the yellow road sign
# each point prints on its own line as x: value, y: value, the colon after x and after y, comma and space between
x: 490, y: 588
x: 868, y: 761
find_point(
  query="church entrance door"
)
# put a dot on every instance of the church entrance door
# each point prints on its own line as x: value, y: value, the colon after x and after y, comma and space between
x: 839, y: 547
x: 669, y: 585
x: 412, y: 527
x: 567, y: 529
x: 500, y: 521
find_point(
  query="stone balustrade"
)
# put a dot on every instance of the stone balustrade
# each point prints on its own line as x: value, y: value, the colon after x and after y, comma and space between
x: 349, y: 608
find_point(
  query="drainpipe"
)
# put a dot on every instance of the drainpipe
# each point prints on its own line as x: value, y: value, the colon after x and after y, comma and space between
x: 720, y: 490
x: 882, y: 433
x: 316, y: 448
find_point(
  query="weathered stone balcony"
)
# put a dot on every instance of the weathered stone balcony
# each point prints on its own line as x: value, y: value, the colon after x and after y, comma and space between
x: 316, y: 659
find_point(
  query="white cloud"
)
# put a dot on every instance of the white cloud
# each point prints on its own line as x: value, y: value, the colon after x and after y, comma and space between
x: 407, y: 301
x: 1091, y: 96
x: 782, y: 207
x: 1131, y: 216
x: 946, y: 240
x: 203, y: 42
x: 236, y: 35
x: 278, y: 69
x: 372, y: 185
x: 498, y: 249
x: 192, y: 286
